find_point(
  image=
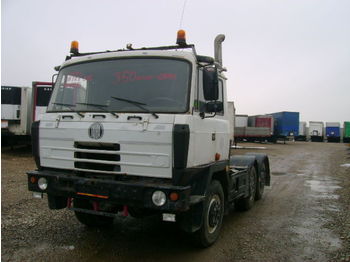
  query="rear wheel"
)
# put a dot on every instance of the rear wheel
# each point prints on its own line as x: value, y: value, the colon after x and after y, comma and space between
x: 212, y: 216
x: 247, y: 203
x: 90, y: 220
x: 261, y: 182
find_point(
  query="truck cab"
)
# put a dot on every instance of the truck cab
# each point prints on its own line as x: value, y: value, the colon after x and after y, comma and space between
x: 144, y: 131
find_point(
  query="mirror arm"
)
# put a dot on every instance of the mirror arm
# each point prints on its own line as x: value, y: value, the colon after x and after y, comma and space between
x: 53, y: 80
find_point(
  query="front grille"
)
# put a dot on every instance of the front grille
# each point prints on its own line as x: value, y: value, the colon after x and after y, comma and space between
x: 90, y: 151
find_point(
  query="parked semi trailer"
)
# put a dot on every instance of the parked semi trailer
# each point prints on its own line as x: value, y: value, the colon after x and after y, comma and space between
x: 15, y: 120
x: 346, y: 132
x: 255, y: 128
x: 144, y: 131
x: 266, y: 121
x: 286, y: 124
x: 333, y: 132
x: 20, y: 106
x: 302, y: 132
x: 316, y: 131
x: 240, y: 125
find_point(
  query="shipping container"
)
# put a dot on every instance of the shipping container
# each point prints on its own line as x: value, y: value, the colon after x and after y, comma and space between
x: 316, y: 131
x: 241, y: 120
x: 302, y: 132
x: 261, y: 121
x: 346, y: 132
x: 286, y: 124
x: 333, y: 131
x: 253, y: 128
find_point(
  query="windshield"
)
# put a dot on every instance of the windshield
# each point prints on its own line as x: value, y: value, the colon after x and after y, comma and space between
x: 122, y: 85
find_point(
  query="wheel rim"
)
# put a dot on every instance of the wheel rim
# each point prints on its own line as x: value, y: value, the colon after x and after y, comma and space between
x: 214, y: 213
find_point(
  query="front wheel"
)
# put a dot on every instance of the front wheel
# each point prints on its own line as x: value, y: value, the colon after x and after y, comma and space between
x: 212, y: 216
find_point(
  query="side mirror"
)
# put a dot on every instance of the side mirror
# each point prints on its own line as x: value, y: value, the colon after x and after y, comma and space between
x: 210, y: 84
x: 214, y: 107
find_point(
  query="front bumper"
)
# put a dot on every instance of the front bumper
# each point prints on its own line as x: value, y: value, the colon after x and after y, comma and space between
x: 135, y: 192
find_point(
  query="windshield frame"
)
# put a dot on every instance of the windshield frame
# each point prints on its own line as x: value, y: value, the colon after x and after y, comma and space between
x: 188, y: 93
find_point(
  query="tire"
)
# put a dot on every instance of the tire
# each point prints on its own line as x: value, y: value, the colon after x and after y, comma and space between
x: 212, y: 216
x: 261, y: 181
x: 90, y: 220
x: 247, y: 203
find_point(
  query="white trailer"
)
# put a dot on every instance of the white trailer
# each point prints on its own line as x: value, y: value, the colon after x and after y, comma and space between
x: 16, y: 111
x: 302, y: 132
x: 20, y: 106
x: 316, y: 131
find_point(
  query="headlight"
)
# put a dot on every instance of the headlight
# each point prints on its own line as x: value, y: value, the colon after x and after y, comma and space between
x: 42, y: 183
x: 158, y: 198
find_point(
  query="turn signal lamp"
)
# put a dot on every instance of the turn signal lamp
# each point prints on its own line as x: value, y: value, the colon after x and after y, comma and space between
x: 181, y: 38
x: 217, y: 157
x: 174, y: 196
x: 33, y: 179
x: 74, y: 47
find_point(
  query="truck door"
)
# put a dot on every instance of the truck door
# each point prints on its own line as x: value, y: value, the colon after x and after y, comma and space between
x: 211, y: 133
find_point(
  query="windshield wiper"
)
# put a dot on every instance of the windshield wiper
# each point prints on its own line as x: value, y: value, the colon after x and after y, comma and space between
x: 138, y: 104
x: 102, y: 107
x: 71, y: 107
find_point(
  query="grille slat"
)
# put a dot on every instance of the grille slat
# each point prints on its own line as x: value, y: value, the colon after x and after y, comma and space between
x: 96, y: 155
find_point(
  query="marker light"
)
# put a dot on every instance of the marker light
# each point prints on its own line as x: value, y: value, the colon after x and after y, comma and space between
x: 181, y: 38
x: 74, y: 47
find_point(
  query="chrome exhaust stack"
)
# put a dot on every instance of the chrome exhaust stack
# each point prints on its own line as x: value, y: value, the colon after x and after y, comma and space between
x: 218, y: 50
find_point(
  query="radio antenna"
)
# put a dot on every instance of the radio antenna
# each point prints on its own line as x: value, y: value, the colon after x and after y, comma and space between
x: 182, y: 14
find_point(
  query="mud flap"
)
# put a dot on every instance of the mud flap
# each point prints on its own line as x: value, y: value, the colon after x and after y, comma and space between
x: 262, y: 159
x: 56, y: 202
x: 191, y: 220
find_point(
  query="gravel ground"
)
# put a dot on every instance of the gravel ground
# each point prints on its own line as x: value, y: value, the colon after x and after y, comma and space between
x: 303, y: 216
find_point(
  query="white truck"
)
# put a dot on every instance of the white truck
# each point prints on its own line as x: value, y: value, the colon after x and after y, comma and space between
x: 316, y: 131
x: 144, y: 131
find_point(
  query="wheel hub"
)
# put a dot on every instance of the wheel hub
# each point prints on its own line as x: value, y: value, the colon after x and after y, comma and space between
x: 214, y: 213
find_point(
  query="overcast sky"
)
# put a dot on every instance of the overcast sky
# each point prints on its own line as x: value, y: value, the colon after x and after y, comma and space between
x: 281, y: 55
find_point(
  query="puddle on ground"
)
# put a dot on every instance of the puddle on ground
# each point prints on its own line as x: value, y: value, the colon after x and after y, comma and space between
x: 345, y: 165
x: 323, y: 188
x: 313, y: 233
x: 326, y: 208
